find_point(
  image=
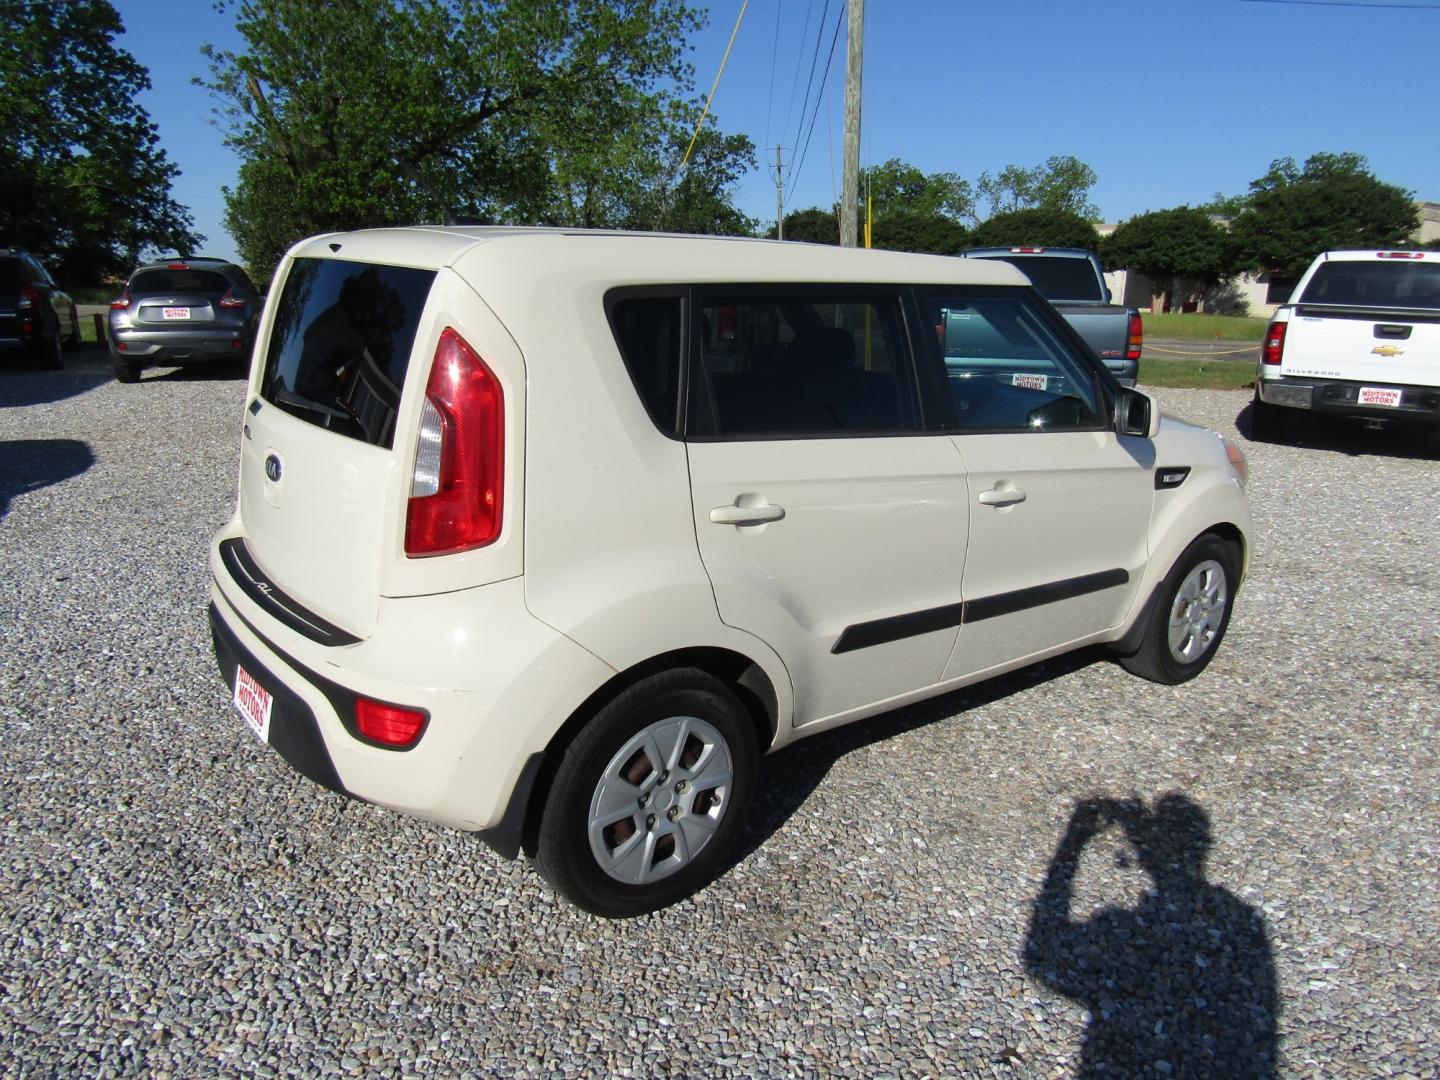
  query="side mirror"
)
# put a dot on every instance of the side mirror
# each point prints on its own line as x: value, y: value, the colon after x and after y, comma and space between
x: 1136, y: 414
x: 1108, y: 294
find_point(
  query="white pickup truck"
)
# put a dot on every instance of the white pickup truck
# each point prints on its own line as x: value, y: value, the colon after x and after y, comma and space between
x: 1360, y: 338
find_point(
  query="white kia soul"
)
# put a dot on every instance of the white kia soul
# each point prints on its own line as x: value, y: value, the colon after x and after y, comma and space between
x: 550, y: 535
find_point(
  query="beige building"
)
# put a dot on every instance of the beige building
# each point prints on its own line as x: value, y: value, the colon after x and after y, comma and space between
x: 1249, y: 294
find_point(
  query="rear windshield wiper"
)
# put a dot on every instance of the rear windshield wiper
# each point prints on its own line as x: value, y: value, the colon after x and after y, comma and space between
x: 283, y: 396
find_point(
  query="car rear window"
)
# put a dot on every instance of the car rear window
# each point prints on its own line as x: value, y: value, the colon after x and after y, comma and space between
x: 178, y: 281
x: 1397, y: 283
x: 341, y: 342
x: 12, y: 273
x: 1058, y: 277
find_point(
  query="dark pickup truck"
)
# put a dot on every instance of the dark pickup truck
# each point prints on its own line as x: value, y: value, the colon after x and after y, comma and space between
x: 1074, y: 283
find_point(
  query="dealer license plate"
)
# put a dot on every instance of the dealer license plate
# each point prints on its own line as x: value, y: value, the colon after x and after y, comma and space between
x: 1031, y: 382
x: 1379, y: 395
x: 253, y: 702
x: 176, y: 313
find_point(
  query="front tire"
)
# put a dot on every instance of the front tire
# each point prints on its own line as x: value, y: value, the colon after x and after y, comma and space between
x: 650, y: 796
x: 1190, y: 616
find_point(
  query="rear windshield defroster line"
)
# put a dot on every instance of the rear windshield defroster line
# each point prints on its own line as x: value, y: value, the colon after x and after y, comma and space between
x: 341, y: 344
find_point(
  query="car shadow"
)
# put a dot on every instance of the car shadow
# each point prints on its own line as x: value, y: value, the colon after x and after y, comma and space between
x: 1180, y: 984
x: 22, y: 383
x: 1351, y: 438
x: 28, y: 465
x: 788, y: 777
x: 198, y: 373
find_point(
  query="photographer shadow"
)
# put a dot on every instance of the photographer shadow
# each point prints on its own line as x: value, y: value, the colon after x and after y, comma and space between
x: 1183, y: 983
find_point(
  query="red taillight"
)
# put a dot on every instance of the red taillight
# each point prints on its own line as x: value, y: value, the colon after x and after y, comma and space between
x: 177, y: 266
x: 29, y: 297
x: 389, y: 725
x: 120, y: 303
x: 1400, y: 254
x: 1274, y: 346
x: 230, y: 300
x: 1136, y: 338
x: 457, y: 490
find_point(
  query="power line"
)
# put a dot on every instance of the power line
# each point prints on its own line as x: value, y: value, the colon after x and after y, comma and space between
x: 800, y: 164
x: 810, y: 79
x: 774, y: 56
x: 795, y: 80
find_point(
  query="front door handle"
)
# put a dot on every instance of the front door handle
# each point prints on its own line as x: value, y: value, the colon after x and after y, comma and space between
x: 1001, y: 497
x: 746, y: 515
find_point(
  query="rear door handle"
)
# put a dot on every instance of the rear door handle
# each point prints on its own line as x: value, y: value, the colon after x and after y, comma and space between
x: 746, y: 515
x: 1001, y: 497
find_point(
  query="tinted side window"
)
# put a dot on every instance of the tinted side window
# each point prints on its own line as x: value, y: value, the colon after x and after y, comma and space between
x: 1006, y: 368
x: 647, y: 330
x: 803, y: 363
x: 341, y: 344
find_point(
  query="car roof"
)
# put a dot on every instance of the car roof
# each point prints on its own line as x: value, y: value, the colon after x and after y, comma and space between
x: 1027, y: 249
x: 618, y: 257
x: 1366, y: 254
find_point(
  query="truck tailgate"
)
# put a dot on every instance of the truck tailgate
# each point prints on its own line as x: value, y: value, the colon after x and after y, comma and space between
x: 1364, y: 346
x: 1105, y: 328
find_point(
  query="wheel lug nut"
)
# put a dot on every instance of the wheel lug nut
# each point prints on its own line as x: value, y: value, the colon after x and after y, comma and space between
x: 650, y: 822
x: 673, y: 813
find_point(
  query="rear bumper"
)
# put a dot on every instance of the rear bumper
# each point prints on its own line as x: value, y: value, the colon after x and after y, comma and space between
x: 495, y: 682
x: 1418, y: 404
x: 215, y: 343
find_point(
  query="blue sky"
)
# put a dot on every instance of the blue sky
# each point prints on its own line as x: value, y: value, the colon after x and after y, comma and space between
x: 1169, y: 101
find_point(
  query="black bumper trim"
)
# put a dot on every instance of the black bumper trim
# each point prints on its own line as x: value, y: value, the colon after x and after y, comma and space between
x: 294, y: 731
x: 246, y: 573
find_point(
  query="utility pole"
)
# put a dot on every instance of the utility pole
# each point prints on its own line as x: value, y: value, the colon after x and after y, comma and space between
x: 779, y: 197
x: 850, y: 189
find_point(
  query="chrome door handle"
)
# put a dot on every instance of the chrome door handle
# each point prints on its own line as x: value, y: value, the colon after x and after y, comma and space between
x: 746, y: 515
x: 1001, y: 497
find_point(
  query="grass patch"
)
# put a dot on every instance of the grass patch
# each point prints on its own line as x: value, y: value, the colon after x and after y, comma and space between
x: 1203, y: 327
x: 1197, y: 374
x: 87, y: 331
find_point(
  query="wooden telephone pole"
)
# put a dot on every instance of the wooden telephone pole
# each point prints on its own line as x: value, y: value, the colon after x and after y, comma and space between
x: 850, y: 190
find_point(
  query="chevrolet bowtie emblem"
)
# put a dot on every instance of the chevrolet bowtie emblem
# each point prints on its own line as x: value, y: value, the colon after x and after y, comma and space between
x: 1386, y: 350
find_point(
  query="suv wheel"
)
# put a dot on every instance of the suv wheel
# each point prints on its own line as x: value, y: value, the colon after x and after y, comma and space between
x: 650, y: 796
x: 51, y: 351
x: 1190, y: 616
x: 126, y: 370
x: 74, y: 341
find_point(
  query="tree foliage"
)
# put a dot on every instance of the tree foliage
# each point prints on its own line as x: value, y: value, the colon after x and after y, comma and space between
x: 1165, y: 245
x: 812, y: 226
x: 911, y: 230
x: 1043, y: 226
x: 897, y: 186
x: 1061, y: 182
x: 85, y: 184
x: 1333, y: 201
x: 377, y: 112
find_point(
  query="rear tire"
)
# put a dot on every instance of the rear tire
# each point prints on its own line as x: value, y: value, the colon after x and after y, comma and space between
x: 126, y: 370
x: 650, y: 796
x: 1266, y: 422
x: 1190, y: 616
x: 73, y: 342
x: 52, y: 352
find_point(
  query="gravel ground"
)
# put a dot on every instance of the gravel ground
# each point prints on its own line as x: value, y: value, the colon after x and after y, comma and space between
x: 174, y: 901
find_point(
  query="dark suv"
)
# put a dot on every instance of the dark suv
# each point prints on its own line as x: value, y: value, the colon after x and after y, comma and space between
x: 181, y: 311
x: 36, y: 318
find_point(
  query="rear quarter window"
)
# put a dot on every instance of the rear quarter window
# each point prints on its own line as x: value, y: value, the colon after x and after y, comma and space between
x: 340, y: 344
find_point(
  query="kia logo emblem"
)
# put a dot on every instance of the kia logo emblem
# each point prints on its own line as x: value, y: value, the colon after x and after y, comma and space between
x: 272, y: 468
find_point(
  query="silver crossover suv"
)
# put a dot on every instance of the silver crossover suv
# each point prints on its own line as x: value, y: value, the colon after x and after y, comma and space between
x: 181, y: 311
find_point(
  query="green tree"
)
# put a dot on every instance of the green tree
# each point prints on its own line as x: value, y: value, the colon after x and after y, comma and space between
x: 377, y: 112
x: 85, y: 183
x: 1042, y: 226
x: 915, y: 230
x: 1332, y: 202
x: 812, y: 226
x: 897, y: 186
x: 1170, y: 246
x: 1061, y: 182
x: 701, y: 201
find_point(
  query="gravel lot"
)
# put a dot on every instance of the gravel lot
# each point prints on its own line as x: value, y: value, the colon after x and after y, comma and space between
x: 174, y: 901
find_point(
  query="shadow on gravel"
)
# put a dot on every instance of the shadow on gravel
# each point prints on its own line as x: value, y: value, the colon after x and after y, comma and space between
x: 789, y: 776
x: 1348, y: 437
x: 1183, y: 983
x: 22, y: 384
x: 30, y: 464
x: 199, y: 373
